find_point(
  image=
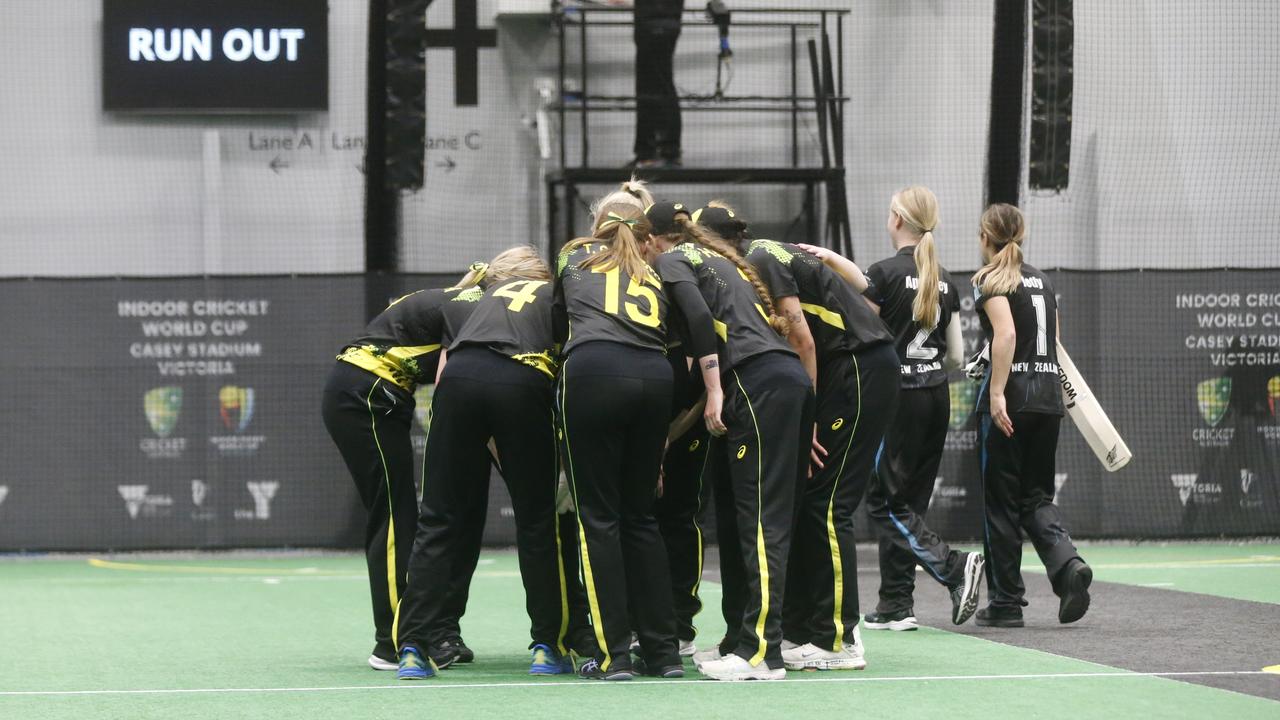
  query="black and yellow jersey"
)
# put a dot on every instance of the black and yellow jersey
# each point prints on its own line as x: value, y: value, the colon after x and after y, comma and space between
x: 840, y: 320
x: 402, y: 343
x: 892, y: 284
x: 602, y: 305
x: 741, y: 325
x: 1033, y: 378
x: 514, y: 319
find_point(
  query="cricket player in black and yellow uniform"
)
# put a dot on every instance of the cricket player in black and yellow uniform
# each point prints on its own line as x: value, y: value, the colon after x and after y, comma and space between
x: 613, y: 401
x: 1020, y: 408
x: 917, y: 300
x: 496, y: 384
x: 765, y: 416
x: 848, y: 353
x: 368, y: 410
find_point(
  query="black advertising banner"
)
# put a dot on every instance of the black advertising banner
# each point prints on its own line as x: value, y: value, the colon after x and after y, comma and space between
x: 184, y: 413
x: 229, y: 55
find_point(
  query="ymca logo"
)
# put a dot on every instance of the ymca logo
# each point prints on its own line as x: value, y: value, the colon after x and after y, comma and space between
x: 162, y: 406
x: 235, y: 407
x: 1213, y: 396
x: 133, y: 496
x: 263, y: 492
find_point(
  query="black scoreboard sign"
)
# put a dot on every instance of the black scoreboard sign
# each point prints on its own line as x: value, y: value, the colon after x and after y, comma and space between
x: 215, y: 55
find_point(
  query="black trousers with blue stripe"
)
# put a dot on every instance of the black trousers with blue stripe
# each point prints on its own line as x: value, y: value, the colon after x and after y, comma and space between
x: 1018, y: 490
x: 898, y: 498
x: 769, y: 412
x: 856, y: 397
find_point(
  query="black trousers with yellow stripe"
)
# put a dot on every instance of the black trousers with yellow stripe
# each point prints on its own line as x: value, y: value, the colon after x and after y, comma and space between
x: 369, y: 419
x: 485, y: 395
x: 686, y: 488
x: 769, y: 408
x: 856, y: 396
x: 614, y: 403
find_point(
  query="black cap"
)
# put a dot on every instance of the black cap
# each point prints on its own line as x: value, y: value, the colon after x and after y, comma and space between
x: 662, y: 216
x: 720, y: 221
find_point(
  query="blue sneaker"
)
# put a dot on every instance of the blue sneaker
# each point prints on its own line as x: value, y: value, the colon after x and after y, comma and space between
x: 413, y: 666
x: 546, y: 661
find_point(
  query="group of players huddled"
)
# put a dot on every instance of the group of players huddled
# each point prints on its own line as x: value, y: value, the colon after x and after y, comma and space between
x: 667, y: 361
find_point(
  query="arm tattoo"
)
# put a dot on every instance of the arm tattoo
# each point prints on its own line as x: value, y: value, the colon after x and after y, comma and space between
x: 795, y: 317
x: 710, y: 365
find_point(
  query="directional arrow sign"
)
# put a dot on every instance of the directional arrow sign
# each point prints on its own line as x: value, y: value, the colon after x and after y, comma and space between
x: 276, y: 163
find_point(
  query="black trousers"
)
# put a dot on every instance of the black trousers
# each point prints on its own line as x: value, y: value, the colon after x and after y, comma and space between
x: 769, y: 409
x: 657, y: 104
x: 614, y: 403
x: 686, y: 487
x: 485, y: 395
x: 369, y: 419
x: 856, y: 397
x: 898, y: 498
x: 1017, y: 486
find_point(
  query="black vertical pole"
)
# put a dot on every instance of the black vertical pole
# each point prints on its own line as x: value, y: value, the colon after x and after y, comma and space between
x: 381, y: 231
x: 1004, y: 136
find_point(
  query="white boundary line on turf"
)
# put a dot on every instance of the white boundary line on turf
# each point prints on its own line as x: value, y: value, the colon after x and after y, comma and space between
x: 432, y: 685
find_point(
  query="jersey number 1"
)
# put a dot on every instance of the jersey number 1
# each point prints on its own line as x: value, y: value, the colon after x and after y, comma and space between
x: 519, y: 293
x: 612, y: 281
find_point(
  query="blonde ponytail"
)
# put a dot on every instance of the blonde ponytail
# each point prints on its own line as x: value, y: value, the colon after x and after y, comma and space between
x: 632, y: 192
x: 918, y: 208
x: 699, y: 235
x: 474, y: 275
x: 620, y: 229
x: 521, y: 261
x: 1004, y: 228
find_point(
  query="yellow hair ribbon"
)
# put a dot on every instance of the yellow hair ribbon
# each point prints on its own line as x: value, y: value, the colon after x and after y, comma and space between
x: 614, y: 219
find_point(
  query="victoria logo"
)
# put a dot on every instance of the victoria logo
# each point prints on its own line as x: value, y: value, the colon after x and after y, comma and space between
x: 1213, y: 396
x: 133, y: 496
x: 1185, y: 484
x: 963, y: 395
x: 162, y: 406
x: 1189, y: 486
x: 235, y: 407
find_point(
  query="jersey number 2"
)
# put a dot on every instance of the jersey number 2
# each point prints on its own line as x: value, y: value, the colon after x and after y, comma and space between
x: 916, y: 349
x: 519, y: 293
x: 612, y: 281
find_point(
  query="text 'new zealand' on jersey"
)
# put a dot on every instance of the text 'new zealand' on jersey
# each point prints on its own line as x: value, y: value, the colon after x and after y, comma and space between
x: 601, y: 303
x: 1033, y: 384
x: 841, y: 322
x: 401, y: 344
x: 513, y: 318
x: 740, y: 322
x: 892, y: 284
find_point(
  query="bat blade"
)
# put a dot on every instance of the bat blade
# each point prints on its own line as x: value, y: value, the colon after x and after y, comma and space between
x: 1089, y: 417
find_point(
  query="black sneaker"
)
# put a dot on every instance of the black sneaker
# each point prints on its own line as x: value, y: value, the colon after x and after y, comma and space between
x: 384, y: 657
x: 991, y: 616
x: 964, y: 597
x: 1075, y: 580
x: 669, y: 672
x: 900, y: 621
x: 465, y: 654
x: 445, y: 653
x: 590, y: 670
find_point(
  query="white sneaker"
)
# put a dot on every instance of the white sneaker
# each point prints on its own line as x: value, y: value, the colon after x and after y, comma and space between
x: 378, y: 663
x: 788, y: 645
x: 687, y: 648
x: 810, y: 656
x: 706, y: 656
x: 732, y: 667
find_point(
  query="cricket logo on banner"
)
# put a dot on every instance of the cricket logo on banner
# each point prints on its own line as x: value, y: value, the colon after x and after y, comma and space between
x: 1273, y: 396
x: 1213, y: 397
x: 162, y: 406
x: 235, y: 407
x: 963, y: 395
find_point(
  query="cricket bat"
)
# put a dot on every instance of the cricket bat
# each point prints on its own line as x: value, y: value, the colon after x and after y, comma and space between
x: 1089, y: 417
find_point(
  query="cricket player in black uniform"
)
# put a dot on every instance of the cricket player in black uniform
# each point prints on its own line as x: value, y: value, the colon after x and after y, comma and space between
x: 769, y: 396
x: 1020, y: 408
x: 613, y: 402
x: 918, y: 301
x: 848, y: 355
x: 497, y: 384
x: 368, y: 410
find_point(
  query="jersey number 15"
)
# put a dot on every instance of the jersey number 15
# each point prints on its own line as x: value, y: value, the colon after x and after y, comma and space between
x: 612, y: 283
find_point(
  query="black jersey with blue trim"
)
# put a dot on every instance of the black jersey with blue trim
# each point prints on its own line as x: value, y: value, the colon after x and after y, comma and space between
x: 402, y: 343
x: 741, y: 326
x: 841, y: 322
x: 892, y: 284
x: 513, y: 318
x: 602, y: 304
x: 1033, y: 384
